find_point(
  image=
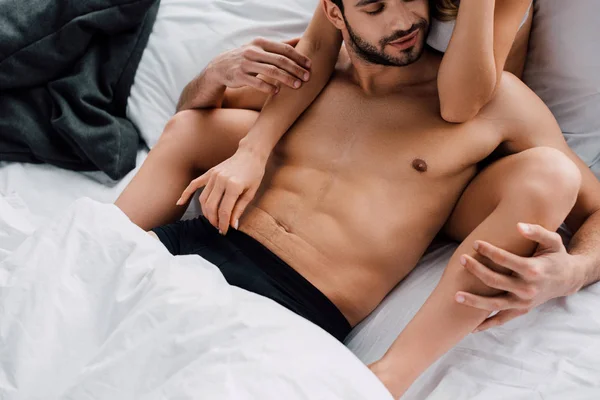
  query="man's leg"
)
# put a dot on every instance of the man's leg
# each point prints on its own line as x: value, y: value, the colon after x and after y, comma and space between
x: 537, y: 186
x: 193, y: 142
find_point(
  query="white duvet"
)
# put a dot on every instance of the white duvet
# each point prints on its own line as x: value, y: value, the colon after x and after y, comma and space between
x: 91, y: 307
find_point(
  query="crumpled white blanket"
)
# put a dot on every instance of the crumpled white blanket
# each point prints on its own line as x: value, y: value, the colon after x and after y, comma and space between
x: 91, y: 307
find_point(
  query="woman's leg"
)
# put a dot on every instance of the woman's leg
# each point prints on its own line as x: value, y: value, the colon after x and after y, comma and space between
x: 537, y: 186
x: 192, y: 142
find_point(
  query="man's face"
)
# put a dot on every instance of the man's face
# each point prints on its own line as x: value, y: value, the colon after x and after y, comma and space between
x: 387, y: 32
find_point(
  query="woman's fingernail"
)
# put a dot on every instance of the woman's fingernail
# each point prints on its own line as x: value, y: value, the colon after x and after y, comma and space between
x: 178, y: 202
x: 524, y: 227
x: 237, y: 225
x: 308, y: 63
x: 220, y: 232
x: 476, y: 246
x: 476, y: 330
x: 463, y: 260
x: 460, y: 299
x: 306, y: 76
x: 297, y: 84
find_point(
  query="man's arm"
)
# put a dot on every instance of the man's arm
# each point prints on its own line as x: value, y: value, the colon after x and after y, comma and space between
x: 584, y: 248
x: 204, y: 91
x: 257, y: 67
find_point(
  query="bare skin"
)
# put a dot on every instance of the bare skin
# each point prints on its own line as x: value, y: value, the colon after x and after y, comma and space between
x: 487, y: 39
x: 360, y: 185
x: 338, y: 183
x: 343, y: 205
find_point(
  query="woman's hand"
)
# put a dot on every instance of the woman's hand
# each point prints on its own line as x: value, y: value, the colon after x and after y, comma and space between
x: 261, y: 63
x: 228, y: 188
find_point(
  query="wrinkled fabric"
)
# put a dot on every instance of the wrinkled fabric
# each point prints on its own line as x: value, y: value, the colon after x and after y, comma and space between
x: 94, y: 308
x: 66, y: 69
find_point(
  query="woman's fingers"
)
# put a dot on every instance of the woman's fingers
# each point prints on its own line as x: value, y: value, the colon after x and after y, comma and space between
x: 194, y: 185
x: 204, y: 195
x: 211, y: 206
x: 240, y: 207
x: 232, y: 194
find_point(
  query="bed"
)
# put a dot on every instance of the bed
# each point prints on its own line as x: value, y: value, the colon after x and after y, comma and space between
x: 551, y: 353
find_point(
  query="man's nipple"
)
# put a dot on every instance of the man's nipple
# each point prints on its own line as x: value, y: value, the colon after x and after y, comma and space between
x: 419, y: 164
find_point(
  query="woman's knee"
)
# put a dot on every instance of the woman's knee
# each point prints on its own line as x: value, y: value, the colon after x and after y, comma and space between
x: 548, y: 179
x: 182, y: 127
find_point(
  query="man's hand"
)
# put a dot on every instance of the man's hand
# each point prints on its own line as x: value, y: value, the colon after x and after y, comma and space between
x: 260, y: 64
x: 548, y: 274
x: 228, y: 188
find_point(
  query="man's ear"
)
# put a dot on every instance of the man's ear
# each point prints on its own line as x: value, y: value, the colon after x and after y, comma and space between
x: 334, y: 14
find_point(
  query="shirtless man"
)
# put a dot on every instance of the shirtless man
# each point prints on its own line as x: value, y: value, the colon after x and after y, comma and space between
x: 357, y: 189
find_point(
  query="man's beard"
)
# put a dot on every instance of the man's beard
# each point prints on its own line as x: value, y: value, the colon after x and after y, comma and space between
x: 372, y: 55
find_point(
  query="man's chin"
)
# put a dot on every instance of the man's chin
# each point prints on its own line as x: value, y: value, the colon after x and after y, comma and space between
x: 408, y: 57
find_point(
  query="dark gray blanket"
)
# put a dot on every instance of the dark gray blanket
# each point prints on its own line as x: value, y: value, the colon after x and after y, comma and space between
x: 66, y: 68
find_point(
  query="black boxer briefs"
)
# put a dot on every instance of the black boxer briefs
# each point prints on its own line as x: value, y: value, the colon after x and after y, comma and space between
x: 247, y: 264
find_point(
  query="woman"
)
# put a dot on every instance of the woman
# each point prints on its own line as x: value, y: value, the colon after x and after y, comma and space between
x: 480, y: 39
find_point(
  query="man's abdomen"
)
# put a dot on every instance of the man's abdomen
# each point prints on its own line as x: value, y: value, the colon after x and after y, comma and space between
x: 352, y: 238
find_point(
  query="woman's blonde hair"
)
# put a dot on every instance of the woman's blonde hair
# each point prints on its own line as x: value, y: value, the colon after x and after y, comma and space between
x: 444, y: 10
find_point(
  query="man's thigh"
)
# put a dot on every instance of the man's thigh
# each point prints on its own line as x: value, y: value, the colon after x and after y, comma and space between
x: 193, y: 142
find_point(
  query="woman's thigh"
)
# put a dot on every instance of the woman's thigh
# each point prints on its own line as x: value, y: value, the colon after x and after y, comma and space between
x: 526, y: 181
x: 193, y: 142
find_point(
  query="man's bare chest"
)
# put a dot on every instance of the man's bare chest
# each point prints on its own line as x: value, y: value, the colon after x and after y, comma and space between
x: 394, y: 138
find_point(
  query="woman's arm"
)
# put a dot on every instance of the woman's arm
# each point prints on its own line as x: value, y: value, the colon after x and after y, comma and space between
x: 237, y: 179
x: 321, y: 43
x: 473, y: 64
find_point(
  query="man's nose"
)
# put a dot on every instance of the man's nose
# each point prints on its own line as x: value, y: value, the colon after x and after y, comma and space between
x: 400, y: 17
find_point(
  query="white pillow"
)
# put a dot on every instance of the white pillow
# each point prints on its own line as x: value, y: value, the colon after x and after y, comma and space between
x: 563, y: 68
x: 187, y: 34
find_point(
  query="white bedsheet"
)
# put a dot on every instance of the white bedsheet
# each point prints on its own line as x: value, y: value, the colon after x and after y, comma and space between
x: 552, y: 353
x: 46, y: 190
x: 94, y: 308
